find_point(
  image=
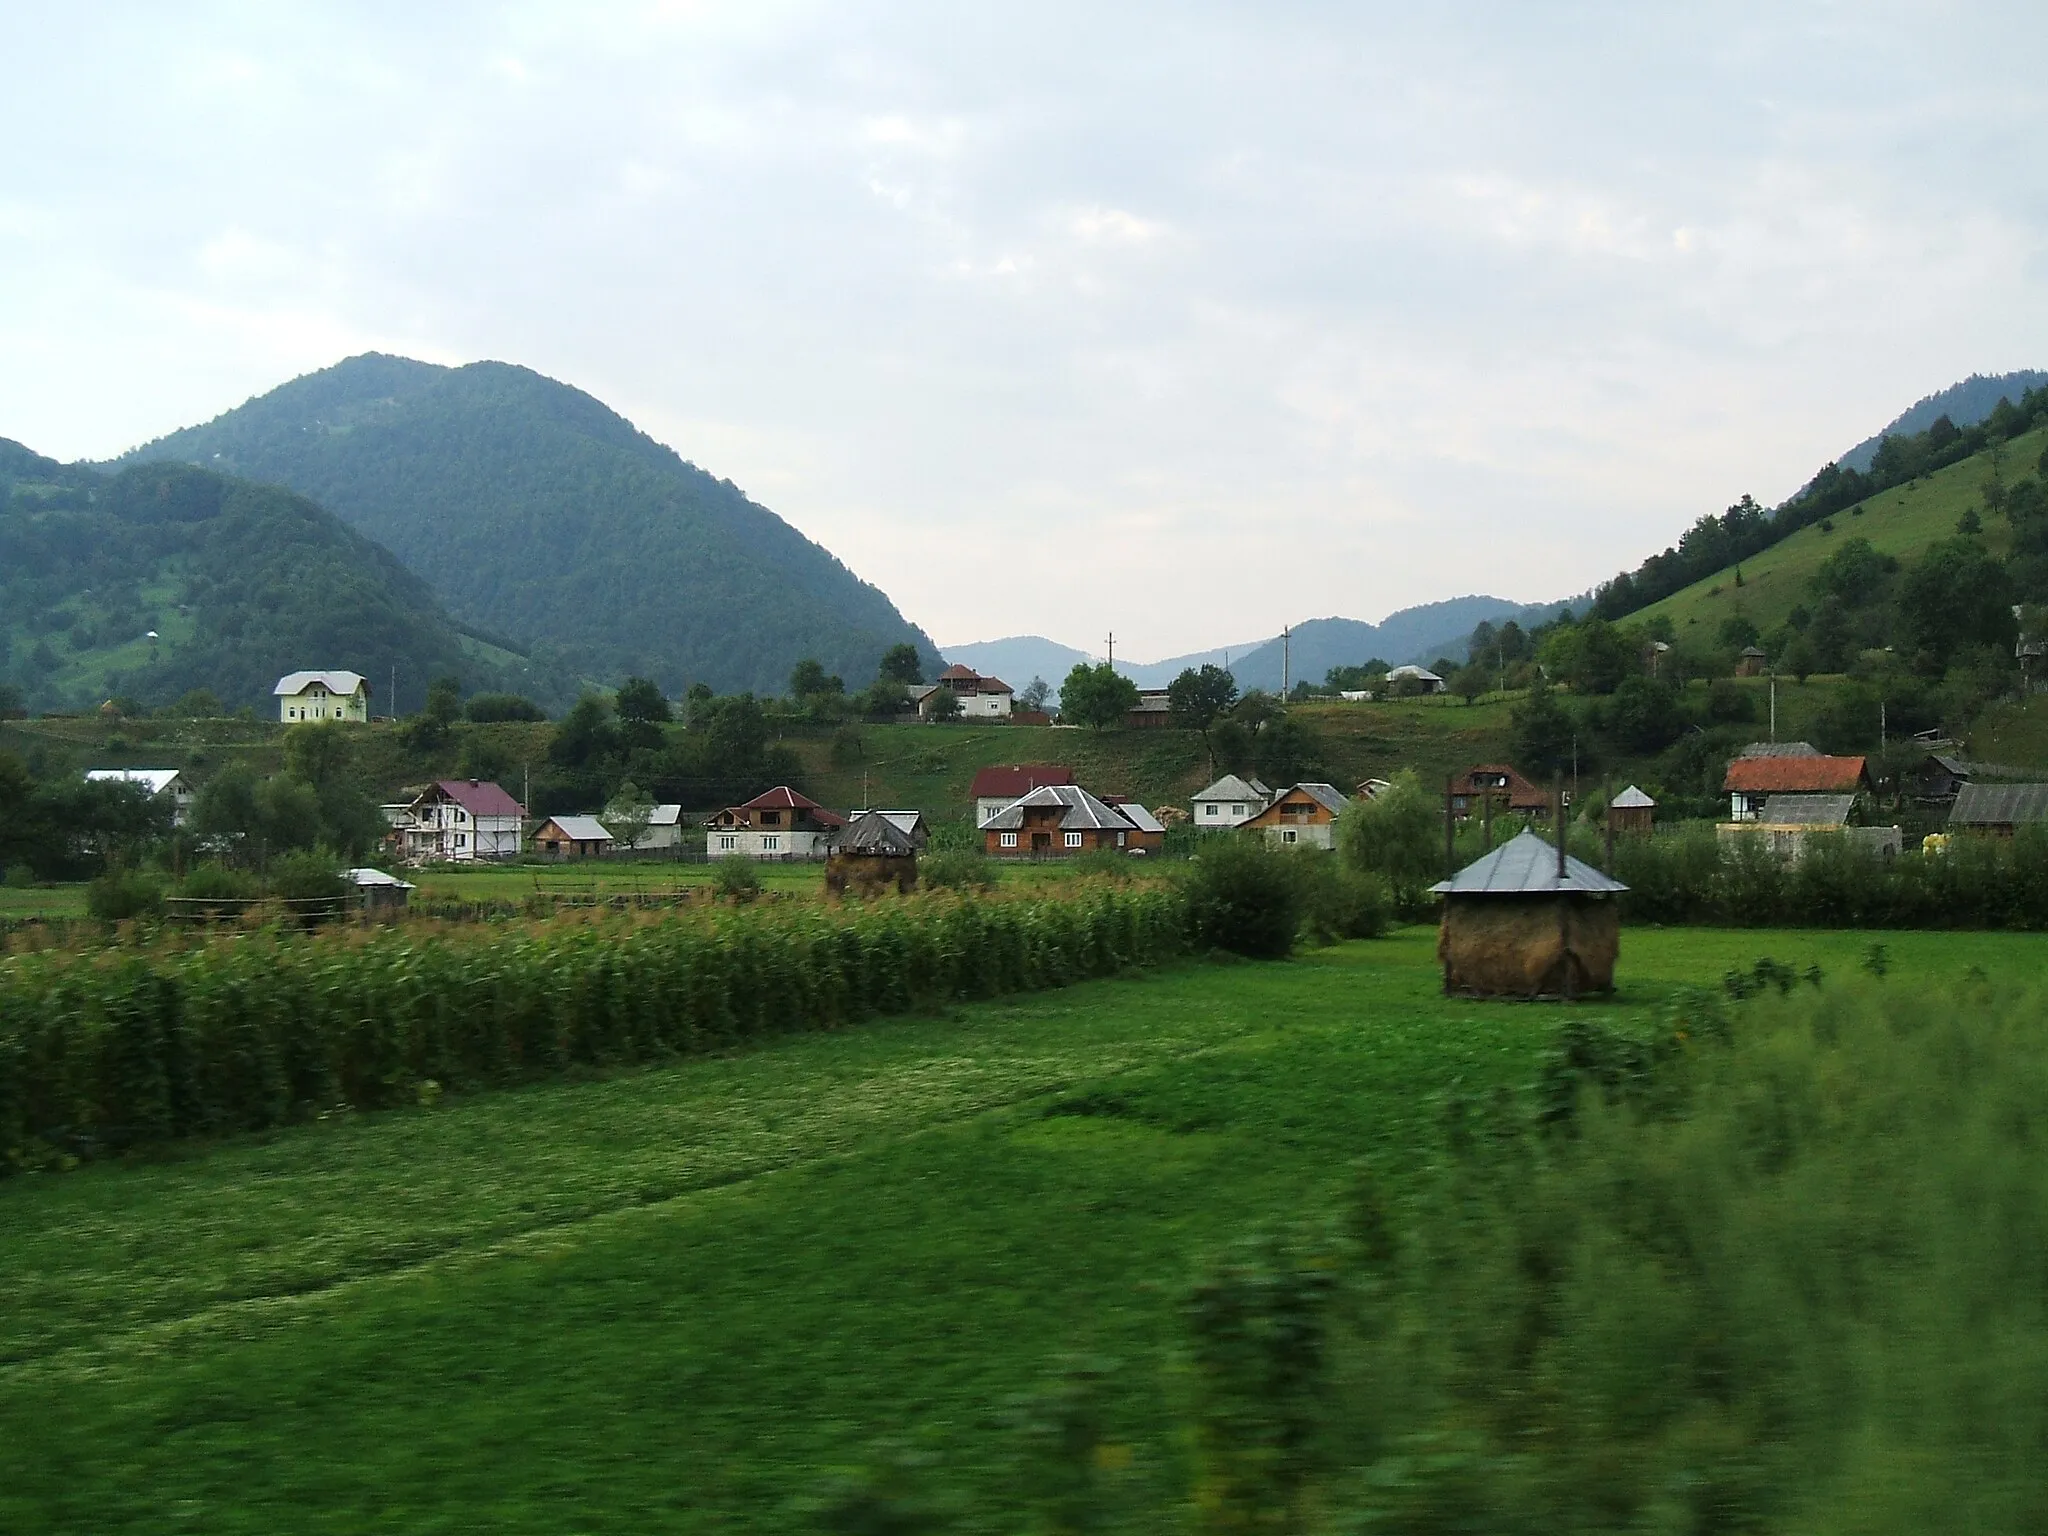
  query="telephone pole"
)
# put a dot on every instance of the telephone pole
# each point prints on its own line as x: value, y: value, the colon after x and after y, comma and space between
x: 1286, y: 658
x: 1112, y: 650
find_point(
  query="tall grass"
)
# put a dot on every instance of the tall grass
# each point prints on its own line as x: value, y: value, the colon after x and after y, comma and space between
x: 104, y: 1052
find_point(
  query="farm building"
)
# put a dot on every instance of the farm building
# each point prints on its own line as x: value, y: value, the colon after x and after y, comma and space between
x: 663, y: 832
x: 1499, y: 782
x: 1754, y: 777
x: 571, y: 837
x: 375, y: 891
x: 1529, y: 921
x: 1998, y: 809
x: 1230, y: 801
x: 1938, y: 778
x: 162, y: 783
x: 1153, y: 711
x: 1631, y: 812
x: 997, y: 788
x: 780, y: 824
x: 1413, y: 679
x: 870, y: 854
x: 1753, y: 662
x: 1054, y: 821
x: 1303, y: 815
x: 1786, y: 822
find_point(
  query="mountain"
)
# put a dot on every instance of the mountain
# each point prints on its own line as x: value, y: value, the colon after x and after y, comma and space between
x: 1964, y: 404
x: 241, y: 583
x: 535, y: 510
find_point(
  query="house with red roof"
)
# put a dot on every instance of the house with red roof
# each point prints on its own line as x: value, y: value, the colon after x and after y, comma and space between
x: 1754, y: 778
x: 458, y: 821
x: 780, y: 824
x: 1000, y: 787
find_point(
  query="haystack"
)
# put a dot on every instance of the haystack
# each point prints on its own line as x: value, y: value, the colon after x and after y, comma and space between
x: 1528, y: 922
x: 870, y: 855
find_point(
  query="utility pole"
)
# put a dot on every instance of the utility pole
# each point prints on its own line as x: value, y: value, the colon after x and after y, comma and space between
x: 1774, y: 703
x: 1286, y: 658
x: 394, y: 690
x: 1112, y: 650
x: 1450, y: 831
x: 1880, y: 725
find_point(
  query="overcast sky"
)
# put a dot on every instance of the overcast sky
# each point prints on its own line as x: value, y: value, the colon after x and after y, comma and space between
x: 1184, y: 320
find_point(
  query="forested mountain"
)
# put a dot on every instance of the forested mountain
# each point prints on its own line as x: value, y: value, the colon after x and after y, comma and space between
x: 240, y: 583
x: 1964, y: 404
x: 536, y: 511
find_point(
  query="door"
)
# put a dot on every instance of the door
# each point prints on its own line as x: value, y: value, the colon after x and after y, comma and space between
x: 1041, y: 842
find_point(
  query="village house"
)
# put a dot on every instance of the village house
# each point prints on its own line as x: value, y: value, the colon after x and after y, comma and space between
x: 997, y: 788
x: 1303, y: 815
x: 165, y: 784
x: 1414, y: 679
x: 1153, y: 711
x: 780, y: 824
x: 562, y: 838
x: 981, y: 698
x: 1938, y: 778
x: 1757, y: 775
x: 1230, y: 801
x: 1998, y: 810
x: 1057, y: 821
x: 1509, y: 791
x: 322, y: 696
x: 461, y: 820
x: 662, y: 834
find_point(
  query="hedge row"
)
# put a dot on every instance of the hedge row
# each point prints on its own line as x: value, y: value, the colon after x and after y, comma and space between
x: 1693, y: 877
x: 103, y: 1052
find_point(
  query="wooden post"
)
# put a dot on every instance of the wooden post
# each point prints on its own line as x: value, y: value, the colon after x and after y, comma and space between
x: 1607, y: 816
x: 1450, y: 832
x: 1557, y: 818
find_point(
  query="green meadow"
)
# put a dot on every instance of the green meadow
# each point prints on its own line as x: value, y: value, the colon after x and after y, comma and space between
x: 679, y: 1298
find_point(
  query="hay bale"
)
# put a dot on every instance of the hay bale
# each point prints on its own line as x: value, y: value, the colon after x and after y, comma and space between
x: 1546, y: 945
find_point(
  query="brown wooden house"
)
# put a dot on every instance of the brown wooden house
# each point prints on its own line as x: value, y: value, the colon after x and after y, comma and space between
x: 1509, y: 791
x: 1303, y: 815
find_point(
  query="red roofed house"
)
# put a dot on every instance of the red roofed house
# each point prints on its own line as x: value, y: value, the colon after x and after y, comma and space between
x: 996, y: 789
x: 459, y: 820
x: 1752, y: 780
x: 780, y: 824
x: 981, y: 698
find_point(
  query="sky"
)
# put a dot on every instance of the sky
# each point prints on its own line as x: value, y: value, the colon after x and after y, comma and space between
x: 1182, y: 321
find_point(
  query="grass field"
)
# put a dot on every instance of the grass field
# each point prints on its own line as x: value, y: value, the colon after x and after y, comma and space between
x: 671, y: 1299
x: 1901, y: 522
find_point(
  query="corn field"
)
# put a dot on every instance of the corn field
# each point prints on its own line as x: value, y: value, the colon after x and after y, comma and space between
x: 101, y: 1052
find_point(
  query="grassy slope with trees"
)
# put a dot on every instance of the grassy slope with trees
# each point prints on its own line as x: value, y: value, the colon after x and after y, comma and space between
x: 535, y: 510
x: 241, y: 582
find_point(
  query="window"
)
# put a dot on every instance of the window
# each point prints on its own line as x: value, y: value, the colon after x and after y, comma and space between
x: 728, y: 842
x: 1237, y: 810
x: 1073, y: 839
x: 462, y: 839
x: 1288, y: 836
x: 1119, y: 839
x: 770, y: 842
x: 1212, y: 809
x: 1008, y: 839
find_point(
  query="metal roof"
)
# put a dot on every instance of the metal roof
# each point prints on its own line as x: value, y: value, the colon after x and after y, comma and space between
x: 1412, y: 673
x: 362, y: 877
x: 1329, y: 795
x: 1781, y: 749
x: 1138, y: 816
x: 1631, y: 799
x: 1008, y: 781
x: 1083, y: 810
x: 155, y: 780
x: 1806, y: 810
x: 478, y: 797
x: 343, y: 683
x: 874, y: 833
x: 665, y: 816
x: 1527, y: 866
x: 1999, y: 805
x: 582, y: 829
x: 1231, y: 787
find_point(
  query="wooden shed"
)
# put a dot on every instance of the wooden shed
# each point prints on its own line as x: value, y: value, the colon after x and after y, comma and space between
x: 872, y: 853
x: 1529, y: 921
x: 1630, y: 813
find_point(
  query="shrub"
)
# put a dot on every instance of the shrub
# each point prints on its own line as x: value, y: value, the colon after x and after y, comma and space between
x: 1338, y: 902
x: 310, y: 884
x: 1243, y: 897
x: 959, y: 869
x: 120, y: 894
x: 1397, y: 836
x: 736, y: 880
x: 20, y: 877
x: 217, y: 882
x: 484, y: 708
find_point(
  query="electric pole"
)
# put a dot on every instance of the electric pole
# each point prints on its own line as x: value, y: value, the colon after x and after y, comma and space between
x: 1286, y: 658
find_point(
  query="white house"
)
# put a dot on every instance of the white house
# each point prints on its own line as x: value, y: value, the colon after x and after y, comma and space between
x: 461, y: 820
x: 1230, y: 802
x: 780, y: 824
x: 1425, y: 681
x: 981, y: 698
x: 322, y: 696
x: 664, y: 830
x: 166, y: 783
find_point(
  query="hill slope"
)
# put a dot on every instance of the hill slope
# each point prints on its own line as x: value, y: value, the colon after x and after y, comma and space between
x: 241, y: 583
x: 1900, y: 522
x: 534, y: 509
x: 1965, y: 404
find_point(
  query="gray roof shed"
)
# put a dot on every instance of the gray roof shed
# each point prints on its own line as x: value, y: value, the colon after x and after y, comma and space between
x: 1999, y: 805
x: 1807, y: 810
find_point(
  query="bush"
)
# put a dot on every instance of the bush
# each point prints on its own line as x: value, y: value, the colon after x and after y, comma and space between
x: 487, y: 708
x: 119, y: 895
x: 1243, y: 897
x: 1338, y: 902
x: 310, y: 884
x: 1399, y: 837
x: 98, y: 1052
x: 958, y: 869
x: 20, y: 877
x: 736, y: 880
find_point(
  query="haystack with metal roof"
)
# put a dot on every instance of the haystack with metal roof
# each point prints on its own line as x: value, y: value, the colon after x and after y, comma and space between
x: 1529, y: 921
x: 870, y: 853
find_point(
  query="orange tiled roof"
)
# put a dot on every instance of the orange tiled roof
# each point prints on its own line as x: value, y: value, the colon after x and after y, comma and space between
x: 1795, y: 775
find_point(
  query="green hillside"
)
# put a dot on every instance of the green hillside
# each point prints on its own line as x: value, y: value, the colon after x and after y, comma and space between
x: 239, y: 582
x: 535, y: 511
x: 1900, y: 522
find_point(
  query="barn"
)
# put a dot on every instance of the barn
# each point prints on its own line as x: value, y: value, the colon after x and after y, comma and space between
x: 1529, y: 921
